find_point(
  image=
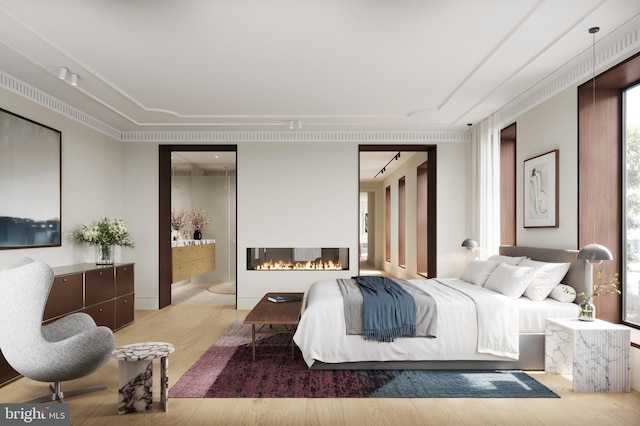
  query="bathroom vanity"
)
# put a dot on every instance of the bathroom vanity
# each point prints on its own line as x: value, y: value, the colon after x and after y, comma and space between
x: 192, y: 257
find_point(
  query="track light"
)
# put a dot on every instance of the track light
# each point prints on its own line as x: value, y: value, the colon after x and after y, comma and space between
x: 74, y: 79
x: 63, y: 73
x: 298, y: 123
x: 384, y: 169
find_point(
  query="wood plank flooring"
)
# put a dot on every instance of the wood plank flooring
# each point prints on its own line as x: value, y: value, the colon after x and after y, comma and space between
x: 193, y: 328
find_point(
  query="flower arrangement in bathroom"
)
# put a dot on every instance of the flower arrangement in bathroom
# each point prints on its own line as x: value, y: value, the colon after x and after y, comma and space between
x: 105, y: 234
x: 178, y: 220
x: 198, y: 219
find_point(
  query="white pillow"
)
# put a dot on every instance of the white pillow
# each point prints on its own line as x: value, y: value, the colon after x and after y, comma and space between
x: 477, y: 271
x: 510, y: 280
x: 510, y: 260
x: 563, y: 293
x: 548, y: 276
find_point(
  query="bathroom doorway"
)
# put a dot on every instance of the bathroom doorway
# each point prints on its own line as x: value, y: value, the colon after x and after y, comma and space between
x: 198, y: 179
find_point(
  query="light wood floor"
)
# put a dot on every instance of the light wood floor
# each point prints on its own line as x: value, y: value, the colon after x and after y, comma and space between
x: 193, y: 328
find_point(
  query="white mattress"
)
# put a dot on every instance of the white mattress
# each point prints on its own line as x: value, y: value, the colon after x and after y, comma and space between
x: 532, y: 314
x: 321, y: 333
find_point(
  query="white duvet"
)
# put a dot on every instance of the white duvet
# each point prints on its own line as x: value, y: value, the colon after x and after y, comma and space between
x: 473, y: 324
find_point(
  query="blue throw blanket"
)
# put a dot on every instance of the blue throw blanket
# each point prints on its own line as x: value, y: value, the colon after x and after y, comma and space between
x: 388, y: 310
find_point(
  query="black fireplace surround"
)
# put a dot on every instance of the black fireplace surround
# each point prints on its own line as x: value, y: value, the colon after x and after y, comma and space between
x: 297, y: 259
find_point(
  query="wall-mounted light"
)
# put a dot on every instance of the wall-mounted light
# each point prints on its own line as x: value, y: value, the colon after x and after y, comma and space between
x: 74, y: 79
x: 63, y: 73
x: 469, y: 244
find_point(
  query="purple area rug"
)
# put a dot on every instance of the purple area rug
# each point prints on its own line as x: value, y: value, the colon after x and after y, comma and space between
x: 227, y: 371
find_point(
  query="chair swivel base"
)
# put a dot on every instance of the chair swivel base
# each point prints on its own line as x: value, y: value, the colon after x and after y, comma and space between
x: 58, y: 395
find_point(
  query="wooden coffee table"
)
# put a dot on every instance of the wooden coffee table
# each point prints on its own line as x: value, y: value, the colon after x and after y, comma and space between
x: 279, y: 317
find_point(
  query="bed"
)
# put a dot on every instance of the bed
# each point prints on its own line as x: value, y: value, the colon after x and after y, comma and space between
x: 509, y: 333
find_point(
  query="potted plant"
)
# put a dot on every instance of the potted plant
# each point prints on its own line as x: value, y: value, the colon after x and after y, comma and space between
x: 587, y: 308
x: 198, y: 220
x: 105, y: 234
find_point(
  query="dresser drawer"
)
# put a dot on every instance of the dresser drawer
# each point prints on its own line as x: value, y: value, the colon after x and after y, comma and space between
x: 65, y: 296
x: 99, y: 286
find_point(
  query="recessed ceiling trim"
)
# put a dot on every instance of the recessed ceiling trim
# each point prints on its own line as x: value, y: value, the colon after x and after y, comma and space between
x: 615, y: 51
x: 25, y: 90
x: 288, y: 136
x: 489, y: 55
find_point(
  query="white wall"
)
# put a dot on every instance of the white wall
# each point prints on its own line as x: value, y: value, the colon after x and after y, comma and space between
x: 453, y: 208
x: 91, y: 182
x: 295, y: 195
x: 551, y: 125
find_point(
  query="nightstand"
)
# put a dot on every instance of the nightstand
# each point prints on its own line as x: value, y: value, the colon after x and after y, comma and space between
x: 595, y: 353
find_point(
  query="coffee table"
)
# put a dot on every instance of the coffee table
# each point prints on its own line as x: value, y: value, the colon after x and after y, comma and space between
x: 279, y: 317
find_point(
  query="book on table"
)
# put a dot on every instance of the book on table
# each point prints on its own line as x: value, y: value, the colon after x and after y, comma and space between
x: 284, y: 298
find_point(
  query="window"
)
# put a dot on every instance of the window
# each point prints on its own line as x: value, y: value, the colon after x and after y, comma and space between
x: 631, y: 203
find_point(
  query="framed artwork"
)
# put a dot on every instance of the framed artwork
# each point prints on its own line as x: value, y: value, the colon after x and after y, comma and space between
x: 30, y: 183
x: 541, y: 191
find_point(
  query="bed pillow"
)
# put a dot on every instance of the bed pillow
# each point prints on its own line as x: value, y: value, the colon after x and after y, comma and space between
x: 477, y: 271
x: 547, y: 277
x: 510, y: 260
x: 510, y: 280
x: 563, y: 293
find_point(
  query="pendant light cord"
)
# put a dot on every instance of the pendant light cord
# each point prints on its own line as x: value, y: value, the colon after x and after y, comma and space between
x: 593, y: 31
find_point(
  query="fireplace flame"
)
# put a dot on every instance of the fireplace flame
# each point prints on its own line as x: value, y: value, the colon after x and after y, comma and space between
x: 302, y: 266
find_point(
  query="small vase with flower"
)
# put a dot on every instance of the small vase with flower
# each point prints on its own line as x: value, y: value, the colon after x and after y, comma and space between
x: 587, y: 308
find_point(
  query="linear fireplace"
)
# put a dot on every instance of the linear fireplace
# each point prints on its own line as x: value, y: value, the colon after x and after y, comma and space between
x: 297, y: 259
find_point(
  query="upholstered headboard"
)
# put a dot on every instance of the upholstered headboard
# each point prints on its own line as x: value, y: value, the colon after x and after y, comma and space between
x: 576, y: 274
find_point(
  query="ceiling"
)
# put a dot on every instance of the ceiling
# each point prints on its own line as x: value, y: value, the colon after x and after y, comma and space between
x: 299, y: 65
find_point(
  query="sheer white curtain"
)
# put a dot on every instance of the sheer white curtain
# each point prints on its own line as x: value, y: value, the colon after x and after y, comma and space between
x: 484, y: 186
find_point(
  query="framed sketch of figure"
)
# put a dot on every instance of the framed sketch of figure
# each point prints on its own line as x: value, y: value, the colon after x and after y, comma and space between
x: 541, y: 191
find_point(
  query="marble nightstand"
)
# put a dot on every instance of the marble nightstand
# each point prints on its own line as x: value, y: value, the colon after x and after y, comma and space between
x: 595, y: 353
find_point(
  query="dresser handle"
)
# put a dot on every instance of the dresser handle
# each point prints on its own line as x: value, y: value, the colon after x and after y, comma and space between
x: 64, y: 280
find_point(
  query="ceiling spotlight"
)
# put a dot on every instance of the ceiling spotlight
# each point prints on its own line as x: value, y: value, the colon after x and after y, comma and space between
x: 74, y: 79
x: 63, y: 73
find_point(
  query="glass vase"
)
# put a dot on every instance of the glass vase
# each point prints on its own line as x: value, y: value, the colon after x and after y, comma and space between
x: 197, y: 234
x: 105, y: 254
x: 587, y: 311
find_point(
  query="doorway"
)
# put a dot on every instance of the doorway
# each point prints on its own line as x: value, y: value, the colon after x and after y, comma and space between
x: 398, y: 207
x: 198, y: 178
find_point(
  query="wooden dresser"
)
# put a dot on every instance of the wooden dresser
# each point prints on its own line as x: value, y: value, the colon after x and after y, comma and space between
x: 104, y: 292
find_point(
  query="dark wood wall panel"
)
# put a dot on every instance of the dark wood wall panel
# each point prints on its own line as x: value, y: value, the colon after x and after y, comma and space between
x: 508, y: 185
x: 599, y: 183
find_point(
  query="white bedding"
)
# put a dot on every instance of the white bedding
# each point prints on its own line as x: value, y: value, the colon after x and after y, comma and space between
x: 321, y: 332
